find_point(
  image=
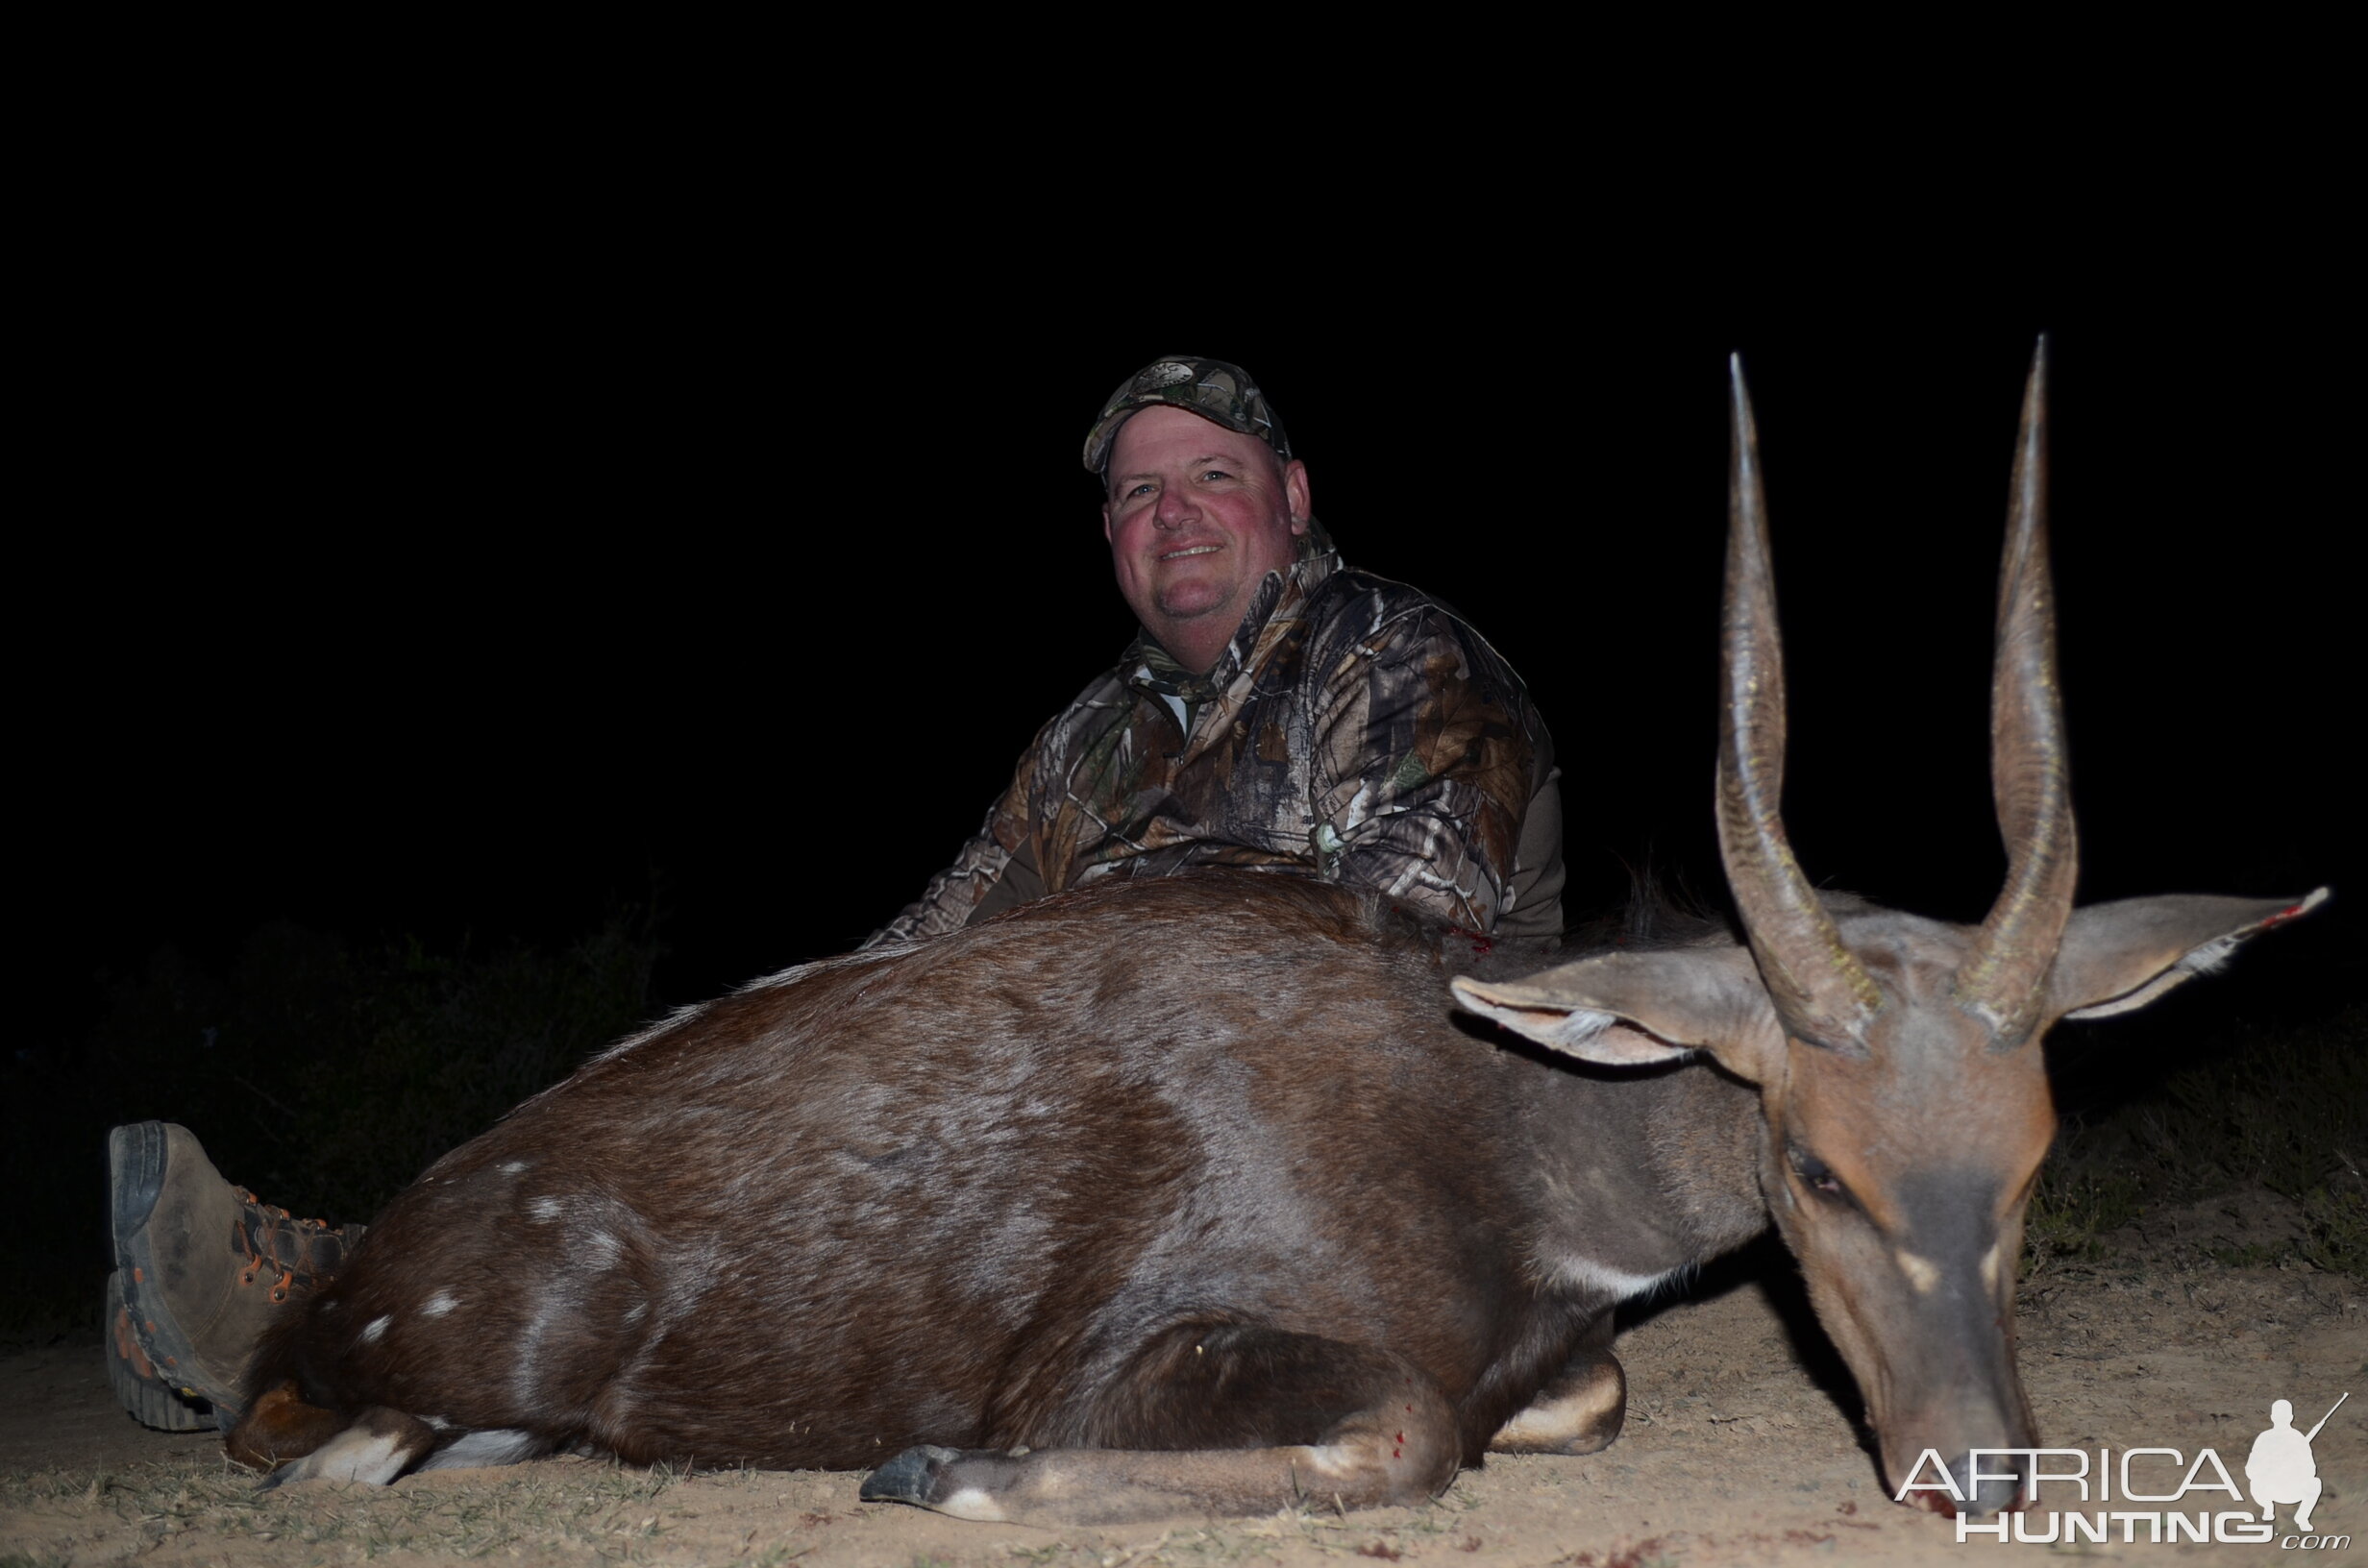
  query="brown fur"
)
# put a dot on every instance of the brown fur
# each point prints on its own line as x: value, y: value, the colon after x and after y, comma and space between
x: 978, y: 1192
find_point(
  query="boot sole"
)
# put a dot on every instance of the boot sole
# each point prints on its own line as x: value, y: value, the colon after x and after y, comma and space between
x: 145, y: 1400
x: 135, y: 1157
x: 135, y: 1175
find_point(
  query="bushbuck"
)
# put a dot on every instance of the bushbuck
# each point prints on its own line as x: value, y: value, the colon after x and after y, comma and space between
x: 1195, y: 1194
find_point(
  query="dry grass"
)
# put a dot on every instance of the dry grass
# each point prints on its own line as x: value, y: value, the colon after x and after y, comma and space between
x: 569, y: 1510
x: 533, y: 1512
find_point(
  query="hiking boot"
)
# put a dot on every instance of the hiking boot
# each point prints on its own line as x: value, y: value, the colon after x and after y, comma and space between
x: 204, y: 1266
x: 143, y: 1394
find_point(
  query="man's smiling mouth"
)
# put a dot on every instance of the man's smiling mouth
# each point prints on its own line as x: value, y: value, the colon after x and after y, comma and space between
x: 1196, y: 550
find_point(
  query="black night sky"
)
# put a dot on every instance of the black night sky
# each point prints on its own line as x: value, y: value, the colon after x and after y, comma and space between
x: 477, y: 596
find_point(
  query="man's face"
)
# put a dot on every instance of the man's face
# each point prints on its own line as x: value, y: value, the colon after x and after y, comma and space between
x: 1198, y: 515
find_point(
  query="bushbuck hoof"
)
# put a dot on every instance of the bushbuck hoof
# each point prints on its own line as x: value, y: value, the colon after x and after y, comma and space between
x: 1579, y: 1412
x: 378, y: 1446
x: 908, y: 1477
x: 280, y: 1427
x: 968, y: 1486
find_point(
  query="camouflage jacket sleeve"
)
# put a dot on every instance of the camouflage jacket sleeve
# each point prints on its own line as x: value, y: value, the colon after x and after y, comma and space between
x: 996, y: 869
x: 1433, y: 780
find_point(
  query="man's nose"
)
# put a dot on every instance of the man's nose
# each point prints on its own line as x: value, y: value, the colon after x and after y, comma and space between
x: 1174, y: 508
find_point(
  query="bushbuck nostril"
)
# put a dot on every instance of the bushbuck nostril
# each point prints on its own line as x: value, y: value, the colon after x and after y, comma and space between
x: 1995, y: 1488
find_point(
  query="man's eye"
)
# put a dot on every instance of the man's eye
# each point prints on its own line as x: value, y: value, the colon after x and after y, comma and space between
x: 1139, y: 490
x: 1217, y: 474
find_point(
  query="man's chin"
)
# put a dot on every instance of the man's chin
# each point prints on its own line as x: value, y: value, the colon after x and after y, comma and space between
x: 1196, y: 602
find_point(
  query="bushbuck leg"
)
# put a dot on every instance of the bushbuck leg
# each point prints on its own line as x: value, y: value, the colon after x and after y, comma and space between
x: 373, y: 1447
x: 1286, y: 1417
x: 278, y: 1424
x: 1580, y: 1410
x: 378, y: 1445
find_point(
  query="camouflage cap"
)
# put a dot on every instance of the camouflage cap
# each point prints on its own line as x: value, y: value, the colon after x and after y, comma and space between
x: 1221, y: 393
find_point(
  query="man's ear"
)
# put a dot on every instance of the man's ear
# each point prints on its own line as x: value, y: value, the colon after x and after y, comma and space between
x: 1296, y: 492
x: 2120, y: 956
x: 1627, y: 1009
x: 1106, y: 522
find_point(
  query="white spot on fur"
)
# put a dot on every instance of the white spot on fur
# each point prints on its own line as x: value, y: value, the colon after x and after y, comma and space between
x: 513, y: 1167
x: 485, y: 1450
x: 440, y: 1304
x: 1552, y: 1423
x: 601, y: 1249
x: 544, y: 1207
x: 376, y: 1327
x: 1580, y: 1276
x: 970, y: 1503
x: 353, y: 1454
x: 526, y: 1353
x: 1920, y: 1272
x: 684, y: 1016
x: 1989, y: 1268
x: 634, y: 1313
x: 1332, y: 1460
x: 438, y: 1423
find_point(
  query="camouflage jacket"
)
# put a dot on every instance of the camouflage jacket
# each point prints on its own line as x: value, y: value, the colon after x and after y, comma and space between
x: 1354, y: 729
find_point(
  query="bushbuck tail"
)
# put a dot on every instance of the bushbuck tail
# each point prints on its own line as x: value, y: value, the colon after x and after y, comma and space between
x: 1193, y: 1195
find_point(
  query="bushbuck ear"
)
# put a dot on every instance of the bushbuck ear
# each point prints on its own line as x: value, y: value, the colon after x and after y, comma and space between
x: 2120, y: 956
x: 1625, y: 1009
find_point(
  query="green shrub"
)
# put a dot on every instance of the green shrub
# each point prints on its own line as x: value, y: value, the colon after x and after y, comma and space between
x: 2281, y: 1106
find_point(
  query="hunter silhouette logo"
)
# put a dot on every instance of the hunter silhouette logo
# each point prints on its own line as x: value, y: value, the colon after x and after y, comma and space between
x: 2280, y: 1471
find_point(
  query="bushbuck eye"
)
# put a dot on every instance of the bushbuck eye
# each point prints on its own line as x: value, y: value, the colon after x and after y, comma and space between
x: 1818, y: 1174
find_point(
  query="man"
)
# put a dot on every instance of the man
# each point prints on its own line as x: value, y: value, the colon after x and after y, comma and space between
x: 1278, y: 712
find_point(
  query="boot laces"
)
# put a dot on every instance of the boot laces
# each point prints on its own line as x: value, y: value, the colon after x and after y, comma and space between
x: 296, y: 1252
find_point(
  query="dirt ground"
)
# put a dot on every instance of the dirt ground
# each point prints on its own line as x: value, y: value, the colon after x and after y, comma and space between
x: 1741, y: 1447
